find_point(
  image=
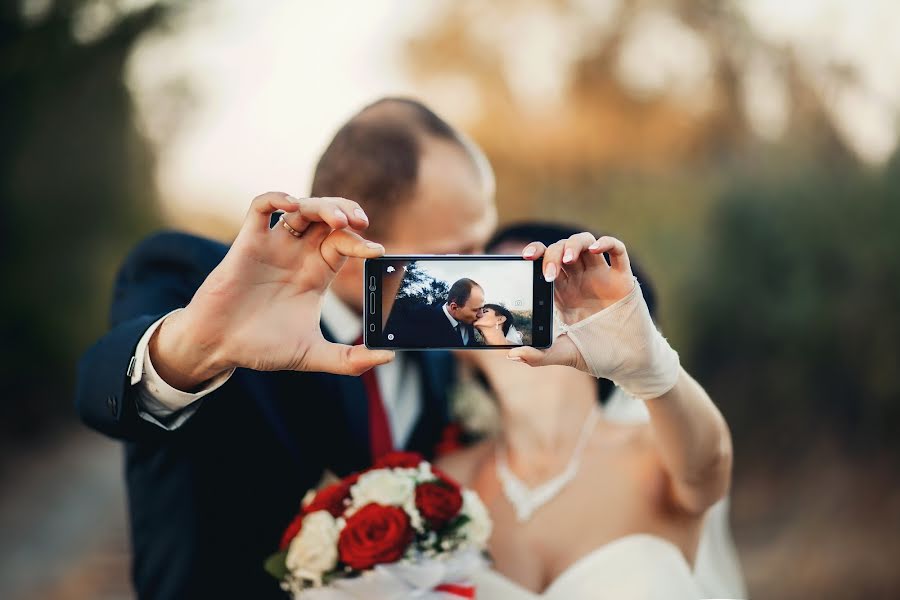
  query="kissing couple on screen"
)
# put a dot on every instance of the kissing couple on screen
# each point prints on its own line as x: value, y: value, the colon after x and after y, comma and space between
x: 454, y: 321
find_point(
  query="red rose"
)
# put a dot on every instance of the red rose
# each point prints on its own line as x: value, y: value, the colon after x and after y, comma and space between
x: 330, y: 498
x: 438, y: 501
x: 399, y: 460
x: 374, y: 535
x: 291, y: 532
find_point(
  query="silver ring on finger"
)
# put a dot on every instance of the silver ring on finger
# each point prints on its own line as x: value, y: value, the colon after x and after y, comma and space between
x: 290, y: 230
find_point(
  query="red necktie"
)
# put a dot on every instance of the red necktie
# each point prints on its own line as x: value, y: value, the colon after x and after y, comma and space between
x: 380, y: 440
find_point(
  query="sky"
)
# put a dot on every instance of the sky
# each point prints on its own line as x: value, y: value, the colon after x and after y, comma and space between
x: 508, y: 282
x: 270, y: 82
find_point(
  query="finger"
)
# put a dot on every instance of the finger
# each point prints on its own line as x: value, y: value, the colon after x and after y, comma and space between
x: 553, y: 260
x: 261, y: 208
x: 341, y: 359
x: 337, y: 213
x: 615, y: 249
x: 575, y: 245
x: 341, y: 244
x: 533, y: 251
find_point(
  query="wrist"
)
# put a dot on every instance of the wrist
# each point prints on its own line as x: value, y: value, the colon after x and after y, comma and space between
x: 182, y: 356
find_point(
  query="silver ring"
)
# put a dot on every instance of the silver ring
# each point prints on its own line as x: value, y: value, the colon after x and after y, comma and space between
x: 290, y: 230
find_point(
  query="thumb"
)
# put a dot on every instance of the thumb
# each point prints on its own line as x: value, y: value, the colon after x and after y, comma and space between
x: 341, y: 359
x: 562, y: 352
x: 530, y: 356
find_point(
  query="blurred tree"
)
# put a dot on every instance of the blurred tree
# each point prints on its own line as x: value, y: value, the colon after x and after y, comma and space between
x: 795, y: 321
x: 76, y: 186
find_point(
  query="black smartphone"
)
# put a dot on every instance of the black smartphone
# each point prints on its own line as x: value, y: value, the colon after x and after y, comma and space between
x: 432, y: 302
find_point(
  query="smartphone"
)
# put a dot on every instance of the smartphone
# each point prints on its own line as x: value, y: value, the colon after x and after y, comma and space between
x: 436, y: 302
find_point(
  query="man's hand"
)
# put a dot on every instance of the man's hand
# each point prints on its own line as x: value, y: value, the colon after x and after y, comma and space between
x: 585, y: 285
x: 260, y: 307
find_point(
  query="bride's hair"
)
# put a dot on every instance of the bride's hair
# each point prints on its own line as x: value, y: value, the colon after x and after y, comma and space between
x: 502, y: 310
x: 549, y: 233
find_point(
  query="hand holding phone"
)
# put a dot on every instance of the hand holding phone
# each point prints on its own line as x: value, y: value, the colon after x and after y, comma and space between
x: 432, y: 302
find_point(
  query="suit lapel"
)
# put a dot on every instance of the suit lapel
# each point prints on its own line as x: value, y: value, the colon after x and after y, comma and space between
x: 436, y: 369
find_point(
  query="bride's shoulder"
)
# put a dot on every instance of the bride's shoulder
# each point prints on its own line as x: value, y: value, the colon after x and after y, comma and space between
x: 463, y: 464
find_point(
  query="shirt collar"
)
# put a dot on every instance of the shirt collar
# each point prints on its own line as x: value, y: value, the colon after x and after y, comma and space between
x: 342, y: 321
x: 453, y: 322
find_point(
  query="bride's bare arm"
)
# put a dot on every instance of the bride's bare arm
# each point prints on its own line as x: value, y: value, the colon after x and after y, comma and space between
x: 610, y: 334
x: 694, y: 443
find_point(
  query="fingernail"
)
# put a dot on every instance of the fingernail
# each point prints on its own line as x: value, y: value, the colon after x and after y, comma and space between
x: 528, y: 252
x: 340, y: 214
x: 595, y: 245
x: 292, y: 200
x: 373, y: 245
x: 550, y: 272
x: 567, y: 257
x: 515, y: 358
x: 360, y: 214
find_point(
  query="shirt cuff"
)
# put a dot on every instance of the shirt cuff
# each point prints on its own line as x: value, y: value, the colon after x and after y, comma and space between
x: 157, y: 401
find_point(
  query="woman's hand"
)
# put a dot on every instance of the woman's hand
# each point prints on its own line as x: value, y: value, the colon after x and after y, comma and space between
x: 260, y: 307
x: 585, y: 284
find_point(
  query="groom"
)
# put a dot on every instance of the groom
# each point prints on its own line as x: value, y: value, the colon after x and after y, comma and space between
x: 217, y: 459
x: 448, y: 324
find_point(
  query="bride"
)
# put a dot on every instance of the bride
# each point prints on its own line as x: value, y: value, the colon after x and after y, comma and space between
x: 495, y: 324
x: 584, y: 507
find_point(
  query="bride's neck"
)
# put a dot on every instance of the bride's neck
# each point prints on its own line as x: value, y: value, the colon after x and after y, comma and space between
x: 493, y: 335
x: 542, y: 417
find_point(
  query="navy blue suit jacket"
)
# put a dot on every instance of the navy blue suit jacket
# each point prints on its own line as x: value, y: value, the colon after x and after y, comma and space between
x: 426, y: 327
x: 209, y: 500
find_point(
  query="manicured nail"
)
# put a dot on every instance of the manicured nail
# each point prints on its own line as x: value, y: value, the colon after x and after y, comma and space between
x: 374, y: 245
x: 595, y: 245
x: 340, y: 214
x: 528, y: 252
x: 361, y: 215
x: 550, y: 272
x: 567, y: 257
x: 515, y: 358
x: 292, y: 200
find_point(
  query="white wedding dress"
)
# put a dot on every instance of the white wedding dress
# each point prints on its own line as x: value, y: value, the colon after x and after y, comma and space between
x: 635, y: 567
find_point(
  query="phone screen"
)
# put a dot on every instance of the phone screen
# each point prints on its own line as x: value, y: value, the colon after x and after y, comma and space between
x: 465, y: 302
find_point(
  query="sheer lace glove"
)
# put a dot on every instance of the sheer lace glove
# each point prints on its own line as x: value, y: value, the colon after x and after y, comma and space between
x: 621, y: 343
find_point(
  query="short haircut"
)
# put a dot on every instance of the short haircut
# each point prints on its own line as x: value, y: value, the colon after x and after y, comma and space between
x: 374, y: 158
x: 503, y: 311
x: 460, y: 291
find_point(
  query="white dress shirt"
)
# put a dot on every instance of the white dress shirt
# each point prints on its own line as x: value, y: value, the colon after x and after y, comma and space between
x: 463, y: 332
x: 398, y: 381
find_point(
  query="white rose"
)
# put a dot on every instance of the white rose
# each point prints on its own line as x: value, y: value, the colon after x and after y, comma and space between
x: 313, y: 552
x: 382, y: 487
x: 478, y: 528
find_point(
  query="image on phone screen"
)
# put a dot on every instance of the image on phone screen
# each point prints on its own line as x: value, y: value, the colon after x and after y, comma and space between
x: 457, y: 302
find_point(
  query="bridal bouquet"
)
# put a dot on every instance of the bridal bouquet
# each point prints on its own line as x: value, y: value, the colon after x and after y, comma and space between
x: 400, y: 529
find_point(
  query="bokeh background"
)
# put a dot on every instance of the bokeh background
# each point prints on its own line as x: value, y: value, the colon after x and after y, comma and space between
x: 746, y: 150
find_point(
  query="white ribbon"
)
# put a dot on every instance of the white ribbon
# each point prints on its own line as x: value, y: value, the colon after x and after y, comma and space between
x: 404, y: 580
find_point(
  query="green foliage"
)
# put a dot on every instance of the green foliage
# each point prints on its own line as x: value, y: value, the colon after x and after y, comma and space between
x: 794, y: 321
x: 76, y: 191
x: 276, y: 565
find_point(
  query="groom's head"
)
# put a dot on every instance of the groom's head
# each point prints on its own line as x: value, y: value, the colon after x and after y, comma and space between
x: 425, y: 187
x: 464, y: 299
